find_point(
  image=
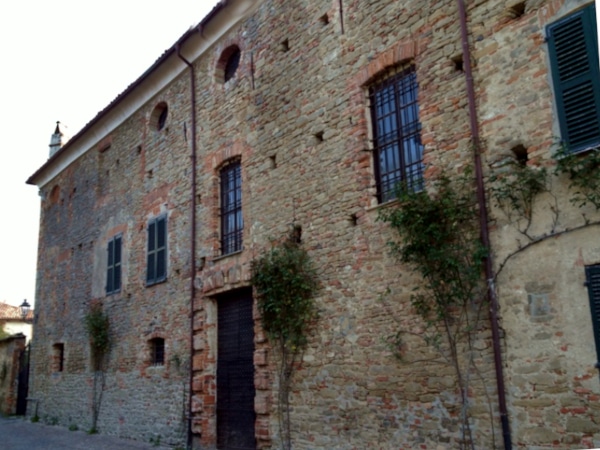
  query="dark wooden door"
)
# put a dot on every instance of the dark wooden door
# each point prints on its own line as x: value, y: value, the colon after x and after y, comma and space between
x: 235, y: 372
x: 23, y: 382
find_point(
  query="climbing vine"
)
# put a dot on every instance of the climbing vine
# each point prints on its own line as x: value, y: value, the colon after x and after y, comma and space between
x: 516, y: 189
x: 527, y: 181
x: 436, y: 234
x: 285, y: 283
x: 97, y: 325
x: 583, y: 171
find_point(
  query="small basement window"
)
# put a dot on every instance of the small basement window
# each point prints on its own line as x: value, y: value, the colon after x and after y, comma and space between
x: 157, y: 351
x: 58, y: 357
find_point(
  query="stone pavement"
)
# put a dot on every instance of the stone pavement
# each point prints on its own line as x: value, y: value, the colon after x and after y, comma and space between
x: 17, y: 433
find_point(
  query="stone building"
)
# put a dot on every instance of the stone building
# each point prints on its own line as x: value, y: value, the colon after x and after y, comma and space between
x: 274, y: 113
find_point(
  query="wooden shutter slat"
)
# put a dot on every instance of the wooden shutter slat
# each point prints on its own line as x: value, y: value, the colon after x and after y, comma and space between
x: 572, y: 46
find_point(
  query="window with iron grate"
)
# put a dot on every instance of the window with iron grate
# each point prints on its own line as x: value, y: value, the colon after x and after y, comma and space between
x: 398, y: 151
x: 573, y: 52
x: 232, y: 223
x: 157, y: 351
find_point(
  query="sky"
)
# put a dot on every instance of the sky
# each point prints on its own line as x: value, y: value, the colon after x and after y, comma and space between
x: 65, y: 60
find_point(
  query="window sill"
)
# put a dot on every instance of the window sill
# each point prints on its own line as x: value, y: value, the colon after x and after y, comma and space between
x: 382, y: 206
x: 220, y: 257
x: 154, y: 283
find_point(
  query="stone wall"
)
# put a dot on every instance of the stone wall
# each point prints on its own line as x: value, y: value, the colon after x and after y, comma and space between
x: 296, y: 115
x: 10, y: 351
x: 128, y: 178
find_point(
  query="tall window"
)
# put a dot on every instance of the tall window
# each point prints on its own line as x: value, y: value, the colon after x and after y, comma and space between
x: 232, y: 223
x: 156, y: 270
x: 573, y: 51
x: 396, y: 133
x: 113, y: 272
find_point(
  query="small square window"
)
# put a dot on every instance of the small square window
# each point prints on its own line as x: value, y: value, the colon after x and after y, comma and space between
x: 58, y: 357
x: 157, y: 351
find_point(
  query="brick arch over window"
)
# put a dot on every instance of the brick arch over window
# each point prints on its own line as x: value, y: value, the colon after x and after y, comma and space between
x: 388, y: 85
x: 401, y: 53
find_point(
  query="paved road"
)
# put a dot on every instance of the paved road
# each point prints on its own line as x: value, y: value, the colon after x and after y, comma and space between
x: 17, y: 433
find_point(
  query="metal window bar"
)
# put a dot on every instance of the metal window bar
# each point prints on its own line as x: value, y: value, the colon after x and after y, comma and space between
x: 397, y: 134
x: 232, y: 223
x: 158, y: 352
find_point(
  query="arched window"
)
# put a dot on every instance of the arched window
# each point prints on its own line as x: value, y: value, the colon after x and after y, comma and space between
x: 158, y: 119
x: 228, y: 64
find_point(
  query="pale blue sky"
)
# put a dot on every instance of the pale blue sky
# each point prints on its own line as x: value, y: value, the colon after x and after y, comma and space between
x: 65, y: 60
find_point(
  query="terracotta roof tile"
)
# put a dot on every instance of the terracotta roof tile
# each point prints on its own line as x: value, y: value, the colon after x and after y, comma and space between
x: 10, y: 312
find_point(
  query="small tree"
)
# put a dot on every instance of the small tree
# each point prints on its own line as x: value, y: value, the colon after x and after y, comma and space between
x: 285, y: 282
x: 437, y: 235
x: 97, y: 326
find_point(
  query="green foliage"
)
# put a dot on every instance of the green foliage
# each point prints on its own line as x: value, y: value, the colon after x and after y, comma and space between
x: 35, y: 419
x: 3, y: 334
x: 93, y: 430
x: 438, y: 236
x: 516, y: 189
x: 285, y: 283
x: 97, y: 325
x: 583, y: 171
x: 73, y: 427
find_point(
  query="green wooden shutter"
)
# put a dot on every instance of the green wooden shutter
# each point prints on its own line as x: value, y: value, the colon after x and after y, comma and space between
x: 110, y: 267
x: 161, y: 249
x: 117, y: 265
x: 573, y: 50
x: 592, y: 275
x: 151, y: 254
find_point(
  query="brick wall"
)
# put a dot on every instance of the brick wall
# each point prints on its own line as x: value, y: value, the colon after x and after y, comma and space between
x: 296, y: 115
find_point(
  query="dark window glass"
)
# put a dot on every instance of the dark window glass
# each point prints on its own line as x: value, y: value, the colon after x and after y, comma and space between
x: 113, y: 273
x: 573, y: 51
x: 162, y: 118
x: 397, y: 134
x: 156, y: 270
x: 232, y: 223
x: 157, y: 347
x: 232, y: 64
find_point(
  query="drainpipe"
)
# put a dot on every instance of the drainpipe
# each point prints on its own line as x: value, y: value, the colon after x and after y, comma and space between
x: 192, y: 241
x: 484, y: 230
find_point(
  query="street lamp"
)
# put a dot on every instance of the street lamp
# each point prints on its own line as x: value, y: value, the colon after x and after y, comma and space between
x: 25, y: 307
